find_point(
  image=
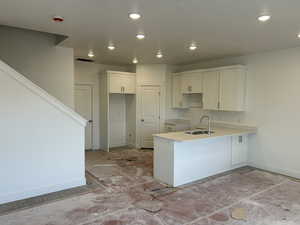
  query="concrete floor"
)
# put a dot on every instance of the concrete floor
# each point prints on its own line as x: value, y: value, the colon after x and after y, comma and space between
x: 125, y: 193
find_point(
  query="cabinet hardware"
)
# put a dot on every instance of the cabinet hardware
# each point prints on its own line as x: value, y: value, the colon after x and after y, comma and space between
x: 142, y: 120
x: 218, y: 105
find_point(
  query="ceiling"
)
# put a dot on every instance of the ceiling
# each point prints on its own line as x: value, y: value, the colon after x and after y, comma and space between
x: 219, y: 27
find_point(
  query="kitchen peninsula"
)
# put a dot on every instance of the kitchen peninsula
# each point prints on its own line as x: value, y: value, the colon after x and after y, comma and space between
x: 181, y: 158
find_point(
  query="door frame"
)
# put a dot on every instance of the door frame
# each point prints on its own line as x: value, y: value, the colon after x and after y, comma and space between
x: 138, y: 112
x: 91, y: 86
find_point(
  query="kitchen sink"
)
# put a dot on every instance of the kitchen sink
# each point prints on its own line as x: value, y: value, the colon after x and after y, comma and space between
x: 198, y: 131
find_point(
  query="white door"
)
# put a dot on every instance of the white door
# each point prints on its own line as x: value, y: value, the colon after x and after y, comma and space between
x: 211, y: 90
x: 150, y: 117
x: 83, y: 105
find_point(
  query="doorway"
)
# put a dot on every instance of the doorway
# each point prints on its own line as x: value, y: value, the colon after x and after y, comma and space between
x: 150, y: 114
x: 84, y: 106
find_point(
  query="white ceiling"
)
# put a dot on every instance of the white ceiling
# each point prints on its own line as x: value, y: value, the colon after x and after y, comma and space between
x: 219, y: 27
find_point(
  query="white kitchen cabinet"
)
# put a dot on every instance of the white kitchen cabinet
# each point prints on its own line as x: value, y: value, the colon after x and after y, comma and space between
x: 211, y: 90
x: 115, y: 84
x: 117, y: 111
x: 224, y: 88
x: 191, y: 82
x: 128, y: 84
x: 177, y: 96
x: 232, y: 89
x: 239, y: 150
x: 121, y: 82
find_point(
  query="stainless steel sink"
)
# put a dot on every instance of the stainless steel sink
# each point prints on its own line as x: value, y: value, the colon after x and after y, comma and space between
x: 198, y: 132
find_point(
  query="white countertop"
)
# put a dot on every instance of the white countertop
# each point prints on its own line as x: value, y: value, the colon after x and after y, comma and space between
x: 218, y: 132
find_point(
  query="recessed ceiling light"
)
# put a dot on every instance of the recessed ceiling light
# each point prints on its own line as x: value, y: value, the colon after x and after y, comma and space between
x: 111, y: 47
x: 193, y: 47
x: 159, y: 54
x: 134, y: 16
x: 264, y: 18
x: 140, y: 36
x: 91, y: 54
x: 135, y: 61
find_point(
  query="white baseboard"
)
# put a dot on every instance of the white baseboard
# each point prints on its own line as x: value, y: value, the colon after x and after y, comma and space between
x: 10, y: 197
x: 290, y: 173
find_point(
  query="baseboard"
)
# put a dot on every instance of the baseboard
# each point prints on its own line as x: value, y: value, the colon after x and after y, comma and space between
x: 10, y: 197
x: 290, y: 173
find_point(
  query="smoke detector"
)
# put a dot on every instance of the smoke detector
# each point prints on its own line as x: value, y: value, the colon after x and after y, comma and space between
x: 58, y: 19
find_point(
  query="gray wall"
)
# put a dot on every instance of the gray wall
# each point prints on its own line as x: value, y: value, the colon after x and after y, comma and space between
x: 35, y: 56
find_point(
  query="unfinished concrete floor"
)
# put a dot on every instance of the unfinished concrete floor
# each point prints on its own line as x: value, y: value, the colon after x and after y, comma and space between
x: 127, y: 194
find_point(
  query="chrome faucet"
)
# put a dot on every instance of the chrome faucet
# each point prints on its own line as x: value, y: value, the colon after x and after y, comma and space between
x: 208, y: 120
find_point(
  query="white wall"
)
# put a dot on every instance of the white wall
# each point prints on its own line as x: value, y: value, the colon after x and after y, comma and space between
x: 42, y: 145
x: 88, y: 73
x: 273, y: 90
x: 35, y: 55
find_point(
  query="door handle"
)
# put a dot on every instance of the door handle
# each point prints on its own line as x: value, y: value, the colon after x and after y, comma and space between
x: 90, y: 121
x: 142, y: 120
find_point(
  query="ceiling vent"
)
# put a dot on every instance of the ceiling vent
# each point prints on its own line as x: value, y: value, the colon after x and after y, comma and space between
x: 84, y: 60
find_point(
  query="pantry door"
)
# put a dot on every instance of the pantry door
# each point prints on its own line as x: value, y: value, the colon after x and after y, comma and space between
x: 83, y: 105
x: 150, y: 114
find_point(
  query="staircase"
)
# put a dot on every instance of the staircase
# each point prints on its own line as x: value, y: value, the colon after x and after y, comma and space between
x: 41, y: 140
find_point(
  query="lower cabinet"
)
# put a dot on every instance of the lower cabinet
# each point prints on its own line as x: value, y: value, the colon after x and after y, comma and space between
x: 239, y: 150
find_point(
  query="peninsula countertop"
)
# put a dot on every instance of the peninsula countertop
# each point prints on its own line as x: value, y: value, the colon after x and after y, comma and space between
x: 218, y: 132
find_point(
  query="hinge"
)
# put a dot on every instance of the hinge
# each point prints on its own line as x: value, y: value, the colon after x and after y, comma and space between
x: 158, y: 93
x: 218, y: 105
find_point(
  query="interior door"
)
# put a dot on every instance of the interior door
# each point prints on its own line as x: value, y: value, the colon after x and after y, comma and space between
x: 150, y: 116
x: 83, y: 105
x: 211, y: 90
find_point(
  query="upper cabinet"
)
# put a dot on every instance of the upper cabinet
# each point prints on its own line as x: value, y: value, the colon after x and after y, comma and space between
x: 232, y: 89
x: 224, y: 89
x: 121, y: 82
x: 177, y: 96
x: 220, y: 88
x: 191, y: 82
x: 211, y: 83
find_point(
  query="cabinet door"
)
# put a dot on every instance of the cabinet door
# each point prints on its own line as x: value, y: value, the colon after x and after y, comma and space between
x: 115, y: 83
x: 128, y: 84
x: 239, y: 149
x: 232, y: 89
x: 177, y: 96
x: 191, y: 83
x: 211, y: 90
